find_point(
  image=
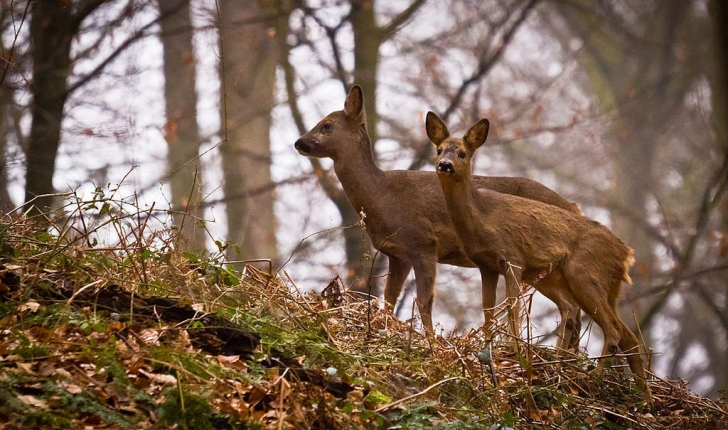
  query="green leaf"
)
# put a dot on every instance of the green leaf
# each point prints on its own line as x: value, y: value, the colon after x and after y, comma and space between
x: 105, y: 209
x: 378, y: 398
x: 192, y: 258
x: 146, y: 253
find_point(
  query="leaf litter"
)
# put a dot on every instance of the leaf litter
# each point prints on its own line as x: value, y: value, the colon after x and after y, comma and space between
x: 143, y: 336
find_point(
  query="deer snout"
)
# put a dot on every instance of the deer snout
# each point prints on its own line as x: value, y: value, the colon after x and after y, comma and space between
x: 445, y: 167
x: 302, y: 146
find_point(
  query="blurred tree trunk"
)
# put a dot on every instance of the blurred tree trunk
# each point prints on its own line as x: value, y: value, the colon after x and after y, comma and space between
x: 5, y: 202
x: 718, y: 10
x: 53, y: 26
x: 181, y: 130
x: 6, y: 95
x: 719, y: 76
x: 248, y: 51
x: 6, y: 100
x: 368, y: 38
x: 635, y: 76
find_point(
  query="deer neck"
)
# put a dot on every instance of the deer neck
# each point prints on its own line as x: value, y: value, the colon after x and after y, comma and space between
x: 460, y: 202
x: 359, y: 175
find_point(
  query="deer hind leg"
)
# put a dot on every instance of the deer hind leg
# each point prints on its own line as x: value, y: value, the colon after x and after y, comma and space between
x: 554, y: 288
x: 398, y: 271
x: 489, y: 280
x: 627, y: 343
x: 630, y: 344
x: 576, y: 332
x: 425, y: 271
x: 593, y: 299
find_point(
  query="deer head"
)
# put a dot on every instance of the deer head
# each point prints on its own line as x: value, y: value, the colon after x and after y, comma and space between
x: 455, y: 154
x: 339, y: 131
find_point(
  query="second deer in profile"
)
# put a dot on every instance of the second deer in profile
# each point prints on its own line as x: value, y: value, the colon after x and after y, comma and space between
x: 556, y: 251
x: 406, y: 215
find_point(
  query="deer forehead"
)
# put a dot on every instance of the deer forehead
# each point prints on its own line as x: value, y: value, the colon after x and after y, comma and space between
x: 453, y: 145
x: 328, y: 119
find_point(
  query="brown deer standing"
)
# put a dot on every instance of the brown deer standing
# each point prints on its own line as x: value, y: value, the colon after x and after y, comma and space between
x: 532, y: 241
x: 406, y: 217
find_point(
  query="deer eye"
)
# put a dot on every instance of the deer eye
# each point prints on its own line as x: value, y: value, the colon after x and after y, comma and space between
x: 326, y: 127
x: 439, y: 151
x: 461, y: 154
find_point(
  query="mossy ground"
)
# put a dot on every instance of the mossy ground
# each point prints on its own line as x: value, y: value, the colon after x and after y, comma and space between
x: 88, y: 340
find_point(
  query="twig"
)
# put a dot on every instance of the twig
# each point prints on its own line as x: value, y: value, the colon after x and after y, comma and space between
x: 82, y: 289
x: 414, y: 396
x: 460, y: 357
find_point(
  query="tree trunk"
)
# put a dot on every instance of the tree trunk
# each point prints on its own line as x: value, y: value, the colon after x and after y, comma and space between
x: 367, y: 40
x: 182, y: 133
x: 366, y: 60
x: 634, y: 81
x: 51, y: 29
x: 719, y: 91
x: 248, y: 64
x: 6, y: 100
x: 5, y: 96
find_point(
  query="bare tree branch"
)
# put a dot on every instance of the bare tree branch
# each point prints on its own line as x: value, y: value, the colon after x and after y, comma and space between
x: 485, y: 65
x: 136, y: 36
x: 391, y: 28
x: 9, y: 59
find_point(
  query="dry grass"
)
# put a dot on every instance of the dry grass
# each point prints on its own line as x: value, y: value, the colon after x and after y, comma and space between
x: 328, y: 360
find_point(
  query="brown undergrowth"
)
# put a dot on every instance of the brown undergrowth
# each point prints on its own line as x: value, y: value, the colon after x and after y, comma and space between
x: 136, y: 334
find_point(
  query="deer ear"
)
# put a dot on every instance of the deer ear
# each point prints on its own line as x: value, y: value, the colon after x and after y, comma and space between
x: 354, y: 104
x: 477, y: 134
x: 436, y: 129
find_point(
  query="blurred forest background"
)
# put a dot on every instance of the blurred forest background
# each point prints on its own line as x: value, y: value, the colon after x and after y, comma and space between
x: 191, y: 107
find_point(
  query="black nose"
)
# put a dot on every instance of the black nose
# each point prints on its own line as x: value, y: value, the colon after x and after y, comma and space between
x: 301, y: 145
x: 445, y: 166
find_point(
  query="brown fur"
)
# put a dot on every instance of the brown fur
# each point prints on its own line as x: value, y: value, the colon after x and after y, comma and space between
x: 406, y: 217
x: 575, y: 257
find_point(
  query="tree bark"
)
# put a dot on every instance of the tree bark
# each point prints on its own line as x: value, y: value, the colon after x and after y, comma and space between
x: 248, y: 64
x: 181, y: 130
x: 718, y: 10
x: 634, y: 81
x: 6, y: 100
x: 368, y: 38
x: 52, y: 27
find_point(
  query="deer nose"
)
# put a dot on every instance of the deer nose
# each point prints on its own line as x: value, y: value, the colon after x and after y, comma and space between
x: 445, y: 167
x: 301, y: 145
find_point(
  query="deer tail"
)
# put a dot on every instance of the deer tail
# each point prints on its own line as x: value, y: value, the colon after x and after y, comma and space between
x: 627, y: 263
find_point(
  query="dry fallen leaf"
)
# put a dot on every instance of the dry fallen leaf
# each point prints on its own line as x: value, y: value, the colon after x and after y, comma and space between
x: 159, y: 377
x: 149, y: 336
x: 33, y: 401
x: 29, y: 306
x: 74, y: 389
x: 25, y: 367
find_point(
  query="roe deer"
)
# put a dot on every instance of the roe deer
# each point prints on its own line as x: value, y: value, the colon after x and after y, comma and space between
x: 554, y: 249
x: 406, y: 216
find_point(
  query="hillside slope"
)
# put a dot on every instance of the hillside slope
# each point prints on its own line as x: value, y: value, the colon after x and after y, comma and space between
x: 138, y: 335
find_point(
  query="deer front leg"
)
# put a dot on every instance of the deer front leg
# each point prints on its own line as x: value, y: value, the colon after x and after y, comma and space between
x: 513, y: 274
x: 425, y: 271
x: 489, y: 280
x: 398, y: 271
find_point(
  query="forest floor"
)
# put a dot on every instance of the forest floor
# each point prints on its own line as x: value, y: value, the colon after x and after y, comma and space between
x: 141, y: 336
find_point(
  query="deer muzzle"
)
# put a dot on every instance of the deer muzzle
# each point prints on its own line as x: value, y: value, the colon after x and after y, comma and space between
x: 302, y: 146
x: 445, y: 167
